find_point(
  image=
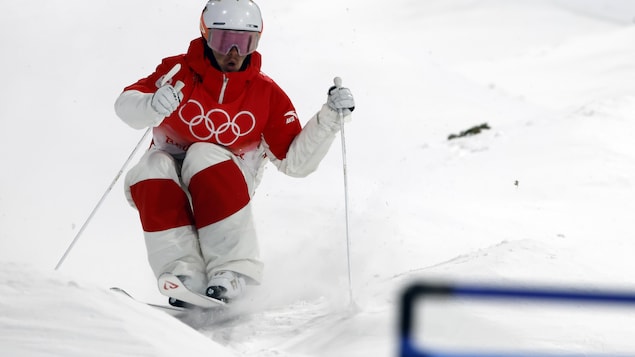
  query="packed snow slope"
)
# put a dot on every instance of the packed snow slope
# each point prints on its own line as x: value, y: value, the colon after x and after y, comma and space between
x: 545, y: 196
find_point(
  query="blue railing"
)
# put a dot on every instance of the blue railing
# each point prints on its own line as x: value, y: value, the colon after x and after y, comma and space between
x: 419, y: 292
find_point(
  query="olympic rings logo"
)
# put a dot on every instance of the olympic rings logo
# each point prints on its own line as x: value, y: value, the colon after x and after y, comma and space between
x: 216, y: 123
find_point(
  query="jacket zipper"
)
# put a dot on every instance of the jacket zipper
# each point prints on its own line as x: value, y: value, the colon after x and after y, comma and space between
x: 222, y: 90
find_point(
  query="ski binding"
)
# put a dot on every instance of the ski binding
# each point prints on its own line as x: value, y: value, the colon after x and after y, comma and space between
x: 171, y: 286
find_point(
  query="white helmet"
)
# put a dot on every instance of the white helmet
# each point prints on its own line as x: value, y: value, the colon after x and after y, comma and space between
x: 239, y: 15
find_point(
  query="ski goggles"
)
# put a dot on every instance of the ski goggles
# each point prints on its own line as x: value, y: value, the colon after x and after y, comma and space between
x: 223, y: 41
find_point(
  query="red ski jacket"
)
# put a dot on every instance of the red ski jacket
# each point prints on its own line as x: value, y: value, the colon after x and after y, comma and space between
x: 236, y: 110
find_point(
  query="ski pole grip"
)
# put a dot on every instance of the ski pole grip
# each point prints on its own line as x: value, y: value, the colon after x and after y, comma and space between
x: 337, y: 81
x: 179, y: 85
x: 170, y: 74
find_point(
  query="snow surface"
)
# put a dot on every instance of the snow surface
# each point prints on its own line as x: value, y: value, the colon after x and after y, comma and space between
x: 546, y: 196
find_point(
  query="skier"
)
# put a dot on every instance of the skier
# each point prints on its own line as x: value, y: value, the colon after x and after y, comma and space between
x: 216, y: 121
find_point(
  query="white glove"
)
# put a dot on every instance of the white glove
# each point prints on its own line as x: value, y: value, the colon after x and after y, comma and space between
x: 340, y: 98
x: 166, y: 99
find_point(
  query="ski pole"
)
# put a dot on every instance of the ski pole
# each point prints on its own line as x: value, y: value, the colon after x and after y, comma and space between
x: 103, y: 197
x: 178, y: 86
x: 338, y: 83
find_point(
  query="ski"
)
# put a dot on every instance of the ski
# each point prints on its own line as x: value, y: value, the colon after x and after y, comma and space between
x: 171, y: 286
x: 172, y: 310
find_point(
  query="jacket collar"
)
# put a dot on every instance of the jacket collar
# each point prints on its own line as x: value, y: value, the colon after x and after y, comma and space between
x: 213, y: 79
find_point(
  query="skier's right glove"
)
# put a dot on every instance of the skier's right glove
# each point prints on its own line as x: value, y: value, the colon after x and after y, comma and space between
x: 142, y: 110
x: 166, y: 99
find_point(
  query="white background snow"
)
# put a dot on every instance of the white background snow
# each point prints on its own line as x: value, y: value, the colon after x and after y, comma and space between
x: 545, y: 197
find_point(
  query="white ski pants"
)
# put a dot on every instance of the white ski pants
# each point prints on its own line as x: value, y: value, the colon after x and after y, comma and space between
x: 196, y: 214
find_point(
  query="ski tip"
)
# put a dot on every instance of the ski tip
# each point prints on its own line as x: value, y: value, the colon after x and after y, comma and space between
x: 120, y: 291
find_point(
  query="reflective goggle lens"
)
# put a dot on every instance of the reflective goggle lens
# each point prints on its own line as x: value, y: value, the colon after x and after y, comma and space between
x: 223, y: 41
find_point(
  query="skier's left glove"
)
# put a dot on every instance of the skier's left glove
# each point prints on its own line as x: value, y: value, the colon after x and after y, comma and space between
x: 339, y: 99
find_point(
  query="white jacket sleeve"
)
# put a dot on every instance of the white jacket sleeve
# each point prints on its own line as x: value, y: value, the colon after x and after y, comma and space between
x: 310, y: 146
x: 133, y: 107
